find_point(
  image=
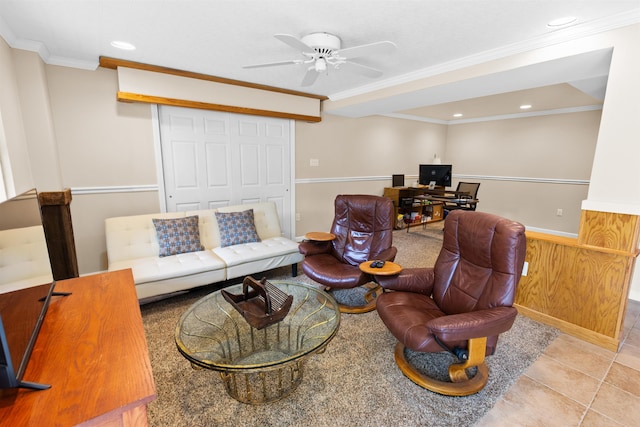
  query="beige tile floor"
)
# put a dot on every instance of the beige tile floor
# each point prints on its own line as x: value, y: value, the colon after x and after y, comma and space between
x: 575, y: 383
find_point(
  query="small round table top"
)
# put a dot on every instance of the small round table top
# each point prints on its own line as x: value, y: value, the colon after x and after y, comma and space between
x: 388, y: 269
x: 319, y: 236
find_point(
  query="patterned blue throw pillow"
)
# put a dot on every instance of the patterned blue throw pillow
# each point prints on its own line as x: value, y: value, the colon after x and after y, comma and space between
x: 236, y: 228
x: 178, y: 236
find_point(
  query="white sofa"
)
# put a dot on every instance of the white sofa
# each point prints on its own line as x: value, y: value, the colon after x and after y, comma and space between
x: 24, y: 259
x: 132, y: 243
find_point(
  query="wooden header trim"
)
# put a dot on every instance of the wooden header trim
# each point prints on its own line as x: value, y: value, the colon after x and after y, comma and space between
x: 149, y: 99
x: 574, y: 243
x: 113, y: 63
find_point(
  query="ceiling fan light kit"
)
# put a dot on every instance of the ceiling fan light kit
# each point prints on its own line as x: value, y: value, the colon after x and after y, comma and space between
x: 320, y: 65
x: 322, y: 50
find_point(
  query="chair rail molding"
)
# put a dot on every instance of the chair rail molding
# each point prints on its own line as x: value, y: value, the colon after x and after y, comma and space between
x: 409, y: 178
x: 114, y: 189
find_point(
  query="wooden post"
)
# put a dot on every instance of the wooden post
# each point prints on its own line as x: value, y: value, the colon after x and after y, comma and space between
x: 55, y: 207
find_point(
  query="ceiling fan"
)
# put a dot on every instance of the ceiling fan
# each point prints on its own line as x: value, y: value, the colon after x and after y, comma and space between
x: 322, y: 50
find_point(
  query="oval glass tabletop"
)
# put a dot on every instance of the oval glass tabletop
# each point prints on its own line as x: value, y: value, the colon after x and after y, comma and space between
x: 214, y: 335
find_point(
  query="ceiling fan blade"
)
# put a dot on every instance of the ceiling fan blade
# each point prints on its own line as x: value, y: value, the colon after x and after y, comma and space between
x: 310, y: 77
x: 377, y: 48
x: 354, y: 67
x: 294, y: 42
x: 273, y: 64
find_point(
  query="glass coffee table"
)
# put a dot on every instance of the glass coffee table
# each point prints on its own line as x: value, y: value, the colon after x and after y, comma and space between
x: 258, y: 365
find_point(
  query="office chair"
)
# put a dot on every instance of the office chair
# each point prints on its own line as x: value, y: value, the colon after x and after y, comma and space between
x: 471, y: 189
x: 461, y: 304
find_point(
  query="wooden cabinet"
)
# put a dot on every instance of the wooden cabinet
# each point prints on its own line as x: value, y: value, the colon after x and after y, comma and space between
x: 93, y: 352
x: 409, y: 207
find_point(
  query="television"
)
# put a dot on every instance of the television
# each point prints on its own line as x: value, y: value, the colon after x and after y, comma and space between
x: 26, y: 286
x: 439, y: 175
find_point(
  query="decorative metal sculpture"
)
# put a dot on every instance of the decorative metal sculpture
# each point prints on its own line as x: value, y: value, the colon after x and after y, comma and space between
x: 261, y: 303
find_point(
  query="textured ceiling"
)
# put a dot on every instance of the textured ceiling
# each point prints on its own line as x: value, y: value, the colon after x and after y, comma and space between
x: 218, y: 37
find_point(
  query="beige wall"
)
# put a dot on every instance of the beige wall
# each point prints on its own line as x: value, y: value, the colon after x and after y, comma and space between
x: 371, y: 146
x: 14, y: 154
x: 356, y: 156
x: 38, y: 120
x: 615, y: 179
x: 89, y: 211
x: 521, y: 156
x: 101, y: 142
x: 512, y: 159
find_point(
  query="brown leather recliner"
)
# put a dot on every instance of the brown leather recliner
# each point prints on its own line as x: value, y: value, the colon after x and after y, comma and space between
x: 363, y: 226
x: 461, y: 304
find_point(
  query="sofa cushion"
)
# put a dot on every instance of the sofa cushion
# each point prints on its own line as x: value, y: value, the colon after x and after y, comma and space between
x: 24, y: 259
x: 178, y: 235
x: 253, y: 251
x: 152, y: 269
x: 209, y: 233
x: 265, y: 217
x: 236, y: 228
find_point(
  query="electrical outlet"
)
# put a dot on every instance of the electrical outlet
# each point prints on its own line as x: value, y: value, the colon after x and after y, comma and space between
x: 525, y: 268
x: 314, y: 162
x: 297, y: 216
x: 559, y: 212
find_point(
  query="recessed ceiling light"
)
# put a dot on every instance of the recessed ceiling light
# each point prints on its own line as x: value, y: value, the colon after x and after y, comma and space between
x: 525, y: 106
x: 457, y: 115
x: 122, y: 45
x: 561, y: 22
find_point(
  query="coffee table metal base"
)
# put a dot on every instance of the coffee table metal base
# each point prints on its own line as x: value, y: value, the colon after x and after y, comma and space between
x: 264, y: 386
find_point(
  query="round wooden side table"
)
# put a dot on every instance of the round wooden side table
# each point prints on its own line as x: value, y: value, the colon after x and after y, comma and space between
x: 388, y: 269
x: 319, y: 236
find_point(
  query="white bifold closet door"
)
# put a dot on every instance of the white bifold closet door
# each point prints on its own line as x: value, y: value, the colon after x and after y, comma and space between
x: 212, y: 159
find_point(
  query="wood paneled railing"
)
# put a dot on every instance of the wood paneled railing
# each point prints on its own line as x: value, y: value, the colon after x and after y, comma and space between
x: 581, y: 286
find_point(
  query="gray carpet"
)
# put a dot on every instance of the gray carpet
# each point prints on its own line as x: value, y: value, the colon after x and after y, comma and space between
x: 354, y: 383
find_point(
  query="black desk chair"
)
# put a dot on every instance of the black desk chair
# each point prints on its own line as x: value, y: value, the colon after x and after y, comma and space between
x: 471, y: 190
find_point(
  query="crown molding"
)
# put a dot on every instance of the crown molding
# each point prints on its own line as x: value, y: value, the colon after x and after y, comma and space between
x: 415, y: 118
x: 41, y: 49
x: 495, y: 118
x: 73, y: 63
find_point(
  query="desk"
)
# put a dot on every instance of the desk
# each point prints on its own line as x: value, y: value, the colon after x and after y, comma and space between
x: 93, y: 351
x: 451, y: 198
x: 447, y: 199
x: 408, y: 207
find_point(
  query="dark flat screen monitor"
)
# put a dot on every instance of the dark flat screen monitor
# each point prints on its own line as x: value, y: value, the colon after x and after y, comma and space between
x: 21, y: 315
x: 397, y: 180
x: 438, y: 174
x: 26, y: 287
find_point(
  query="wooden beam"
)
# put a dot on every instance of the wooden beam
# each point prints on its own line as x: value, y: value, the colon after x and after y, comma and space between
x: 114, y: 63
x: 149, y: 99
